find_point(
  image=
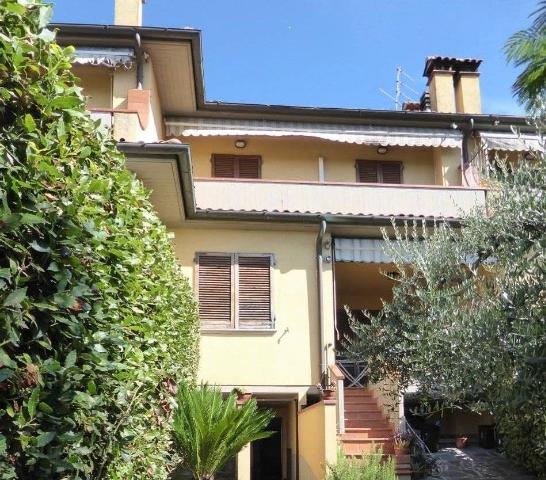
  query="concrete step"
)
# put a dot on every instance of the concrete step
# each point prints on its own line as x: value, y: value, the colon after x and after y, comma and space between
x: 362, y: 408
x: 359, y: 399
x: 358, y: 392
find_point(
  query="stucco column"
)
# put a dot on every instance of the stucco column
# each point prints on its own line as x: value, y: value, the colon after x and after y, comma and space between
x: 330, y: 433
x: 243, y: 464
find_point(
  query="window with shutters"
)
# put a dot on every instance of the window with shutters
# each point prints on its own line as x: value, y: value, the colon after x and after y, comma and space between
x: 370, y: 171
x: 234, y: 291
x: 236, y: 166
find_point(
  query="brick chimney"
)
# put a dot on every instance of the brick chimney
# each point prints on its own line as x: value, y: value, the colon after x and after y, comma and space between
x: 454, y: 84
x: 128, y: 12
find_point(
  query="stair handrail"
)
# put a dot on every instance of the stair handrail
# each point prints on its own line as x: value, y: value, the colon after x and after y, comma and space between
x: 339, y: 378
x: 420, y: 442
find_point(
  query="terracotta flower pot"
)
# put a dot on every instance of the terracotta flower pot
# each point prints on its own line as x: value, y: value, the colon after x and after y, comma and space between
x: 329, y: 394
x: 242, y: 398
x: 401, y: 450
x: 460, y: 442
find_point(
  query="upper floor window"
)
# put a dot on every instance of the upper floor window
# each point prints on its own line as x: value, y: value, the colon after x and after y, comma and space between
x: 236, y: 166
x: 234, y: 291
x: 370, y: 171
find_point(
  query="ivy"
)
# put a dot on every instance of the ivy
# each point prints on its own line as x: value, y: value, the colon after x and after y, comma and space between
x: 97, y: 321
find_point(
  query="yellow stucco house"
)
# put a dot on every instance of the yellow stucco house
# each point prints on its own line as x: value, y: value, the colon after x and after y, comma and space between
x: 276, y: 215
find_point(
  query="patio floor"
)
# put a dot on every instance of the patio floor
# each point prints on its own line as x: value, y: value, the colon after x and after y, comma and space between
x: 473, y: 463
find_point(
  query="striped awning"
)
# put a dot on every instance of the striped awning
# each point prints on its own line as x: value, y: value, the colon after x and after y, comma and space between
x: 361, y: 250
x: 105, y: 57
x: 512, y: 142
x: 357, y: 134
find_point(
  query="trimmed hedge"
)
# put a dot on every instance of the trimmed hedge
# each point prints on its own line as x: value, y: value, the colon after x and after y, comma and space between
x: 97, y: 321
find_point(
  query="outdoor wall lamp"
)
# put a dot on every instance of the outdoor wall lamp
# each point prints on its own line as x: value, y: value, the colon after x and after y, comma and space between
x: 240, y: 143
x: 382, y: 150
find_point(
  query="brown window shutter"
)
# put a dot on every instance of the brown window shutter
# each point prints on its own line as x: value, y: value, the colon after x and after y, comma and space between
x: 224, y: 166
x: 236, y: 166
x: 391, y: 172
x: 215, y: 291
x: 254, y: 292
x: 249, y: 167
x: 367, y: 171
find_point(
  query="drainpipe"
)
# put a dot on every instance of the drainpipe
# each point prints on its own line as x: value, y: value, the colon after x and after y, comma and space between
x: 139, y: 62
x: 320, y: 238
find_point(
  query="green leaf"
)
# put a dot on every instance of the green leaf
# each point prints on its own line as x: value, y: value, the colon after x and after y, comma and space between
x: 32, y: 402
x: 47, y: 35
x: 64, y: 300
x: 5, y: 373
x: 68, y: 101
x: 15, y: 298
x: 5, y: 273
x: 70, y: 360
x: 91, y: 387
x: 5, y: 359
x: 44, y: 407
x: 40, y: 247
x: 29, y: 122
x: 3, y: 444
x: 44, y: 438
x: 45, y: 16
x: 31, y: 219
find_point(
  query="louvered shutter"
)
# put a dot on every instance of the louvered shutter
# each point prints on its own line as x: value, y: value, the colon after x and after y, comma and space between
x: 367, y: 171
x: 391, y: 172
x: 249, y: 167
x: 215, y: 291
x: 254, y: 292
x: 224, y: 166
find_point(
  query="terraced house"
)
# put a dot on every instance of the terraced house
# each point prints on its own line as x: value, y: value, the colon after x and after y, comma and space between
x: 276, y: 215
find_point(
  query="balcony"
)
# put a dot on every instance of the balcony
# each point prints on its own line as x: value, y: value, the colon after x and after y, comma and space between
x: 336, y: 199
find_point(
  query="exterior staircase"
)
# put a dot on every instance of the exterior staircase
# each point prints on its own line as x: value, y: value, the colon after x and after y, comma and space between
x: 367, y: 427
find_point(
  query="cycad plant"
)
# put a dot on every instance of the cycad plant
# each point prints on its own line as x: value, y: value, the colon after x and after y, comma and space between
x: 210, y: 429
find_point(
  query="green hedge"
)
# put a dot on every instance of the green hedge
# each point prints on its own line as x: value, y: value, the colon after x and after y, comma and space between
x: 97, y: 322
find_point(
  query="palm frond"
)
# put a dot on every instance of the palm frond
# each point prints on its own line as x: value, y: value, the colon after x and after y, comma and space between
x: 210, y: 429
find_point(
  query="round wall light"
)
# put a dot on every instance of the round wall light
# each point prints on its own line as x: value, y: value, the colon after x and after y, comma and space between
x: 382, y: 150
x: 240, y: 143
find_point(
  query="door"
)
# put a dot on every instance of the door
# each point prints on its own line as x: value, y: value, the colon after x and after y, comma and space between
x: 267, y: 454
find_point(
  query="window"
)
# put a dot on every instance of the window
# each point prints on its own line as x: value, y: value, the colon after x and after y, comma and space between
x: 234, y: 291
x: 369, y: 171
x: 236, y: 166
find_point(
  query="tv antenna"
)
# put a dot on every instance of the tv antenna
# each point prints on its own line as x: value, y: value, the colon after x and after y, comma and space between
x: 400, y: 89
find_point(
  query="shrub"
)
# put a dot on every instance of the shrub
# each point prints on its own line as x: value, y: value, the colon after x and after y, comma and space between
x: 97, y: 321
x: 369, y: 467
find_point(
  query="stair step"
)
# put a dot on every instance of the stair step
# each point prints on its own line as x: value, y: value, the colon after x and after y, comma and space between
x: 358, y: 392
x: 362, y: 408
x: 364, y: 415
x: 351, y: 423
x: 366, y: 433
x: 359, y: 448
x: 359, y: 399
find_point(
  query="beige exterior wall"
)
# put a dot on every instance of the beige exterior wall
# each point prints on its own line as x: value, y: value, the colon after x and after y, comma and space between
x: 155, y: 128
x: 298, y: 158
x: 97, y: 84
x: 447, y: 167
x: 288, y: 356
x: 312, y: 451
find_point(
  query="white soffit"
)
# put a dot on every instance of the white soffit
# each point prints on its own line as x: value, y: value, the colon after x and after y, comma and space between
x: 105, y: 57
x: 357, y: 134
x: 512, y: 142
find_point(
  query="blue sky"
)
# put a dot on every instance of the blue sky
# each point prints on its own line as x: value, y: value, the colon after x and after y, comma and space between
x: 332, y: 52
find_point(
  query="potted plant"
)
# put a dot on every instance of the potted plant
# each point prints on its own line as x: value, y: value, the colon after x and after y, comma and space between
x: 242, y: 395
x: 328, y: 391
x: 460, y: 441
x: 402, y: 442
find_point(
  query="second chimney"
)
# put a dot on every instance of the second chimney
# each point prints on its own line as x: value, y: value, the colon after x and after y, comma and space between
x: 454, y: 84
x: 128, y: 12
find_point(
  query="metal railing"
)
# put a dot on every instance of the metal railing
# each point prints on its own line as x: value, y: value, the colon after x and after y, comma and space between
x: 355, y: 372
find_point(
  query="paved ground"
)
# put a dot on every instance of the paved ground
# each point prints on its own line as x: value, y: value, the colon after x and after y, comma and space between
x: 475, y: 463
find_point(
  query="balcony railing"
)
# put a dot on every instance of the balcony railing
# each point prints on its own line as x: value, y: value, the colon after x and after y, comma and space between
x: 347, y: 199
